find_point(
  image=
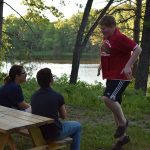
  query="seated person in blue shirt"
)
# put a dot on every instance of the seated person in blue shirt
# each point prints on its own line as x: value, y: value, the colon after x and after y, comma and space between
x: 47, y: 102
x: 11, y: 93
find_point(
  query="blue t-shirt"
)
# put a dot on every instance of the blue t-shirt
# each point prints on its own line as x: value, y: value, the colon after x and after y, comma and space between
x: 11, y: 95
x: 46, y: 102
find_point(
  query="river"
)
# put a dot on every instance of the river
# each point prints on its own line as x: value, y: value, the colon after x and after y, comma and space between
x: 87, y: 72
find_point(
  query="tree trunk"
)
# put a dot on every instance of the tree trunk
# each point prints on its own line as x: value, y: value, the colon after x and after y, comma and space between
x: 80, y: 42
x: 143, y: 66
x: 78, y: 45
x: 1, y: 21
x: 136, y: 32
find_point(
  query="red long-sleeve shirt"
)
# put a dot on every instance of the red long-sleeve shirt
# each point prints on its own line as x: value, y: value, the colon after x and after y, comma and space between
x: 115, y: 53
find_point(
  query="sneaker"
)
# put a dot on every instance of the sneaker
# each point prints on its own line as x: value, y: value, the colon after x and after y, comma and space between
x: 121, y: 130
x: 120, y: 144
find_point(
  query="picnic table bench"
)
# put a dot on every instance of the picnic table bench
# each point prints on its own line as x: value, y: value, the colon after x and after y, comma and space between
x: 16, y: 121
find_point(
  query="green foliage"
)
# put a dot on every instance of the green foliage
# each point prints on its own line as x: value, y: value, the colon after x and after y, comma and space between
x: 55, y: 39
x: 38, y: 6
x: 2, y: 77
x: 79, y: 94
x: 99, y: 139
x: 29, y: 88
x: 136, y: 104
x: 89, y: 95
x: 45, y: 39
x: 84, y: 105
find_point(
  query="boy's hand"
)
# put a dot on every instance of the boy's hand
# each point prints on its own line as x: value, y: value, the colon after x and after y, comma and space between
x: 128, y: 72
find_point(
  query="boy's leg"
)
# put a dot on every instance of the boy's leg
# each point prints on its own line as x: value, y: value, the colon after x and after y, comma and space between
x: 115, y: 118
x: 116, y: 109
x: 112, y: 98
x: 71, y: 129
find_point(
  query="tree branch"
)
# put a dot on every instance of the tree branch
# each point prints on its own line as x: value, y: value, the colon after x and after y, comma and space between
x: 21, y: 17
x: 121, y: 9
x: 125, y: 20
x: 116, y: 6
x: 96, y: 22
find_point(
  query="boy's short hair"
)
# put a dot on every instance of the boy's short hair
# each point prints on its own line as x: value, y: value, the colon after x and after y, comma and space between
x: 44, y: 77
x: 107, y: 21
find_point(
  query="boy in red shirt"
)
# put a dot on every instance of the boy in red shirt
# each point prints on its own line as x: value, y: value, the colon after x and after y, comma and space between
x: 116, y: 64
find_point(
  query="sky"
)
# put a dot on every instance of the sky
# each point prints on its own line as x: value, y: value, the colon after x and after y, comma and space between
x: 67, y: 10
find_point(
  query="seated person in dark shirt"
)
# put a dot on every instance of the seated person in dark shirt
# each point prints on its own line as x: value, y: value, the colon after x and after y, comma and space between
x: 11, y: 93
x: 47, y: 102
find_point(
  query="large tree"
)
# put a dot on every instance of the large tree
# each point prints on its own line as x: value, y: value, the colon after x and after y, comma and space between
x: 136, y: 33
x: 143, y: 66
x: 136, y: 30
x: 1, y: 21
x: 81, y: 40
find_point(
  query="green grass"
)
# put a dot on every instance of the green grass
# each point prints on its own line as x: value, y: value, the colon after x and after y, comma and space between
x: 84, y: 105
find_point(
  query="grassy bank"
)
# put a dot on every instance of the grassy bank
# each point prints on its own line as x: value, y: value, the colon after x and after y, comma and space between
x: 46, y: 55
x: 84, y: 104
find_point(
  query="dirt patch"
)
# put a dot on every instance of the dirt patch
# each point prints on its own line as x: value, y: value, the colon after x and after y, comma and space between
x: 93, y: 117
x: 84, y: 115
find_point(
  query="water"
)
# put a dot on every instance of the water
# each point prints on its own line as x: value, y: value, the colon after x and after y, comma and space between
x: 87, y: 72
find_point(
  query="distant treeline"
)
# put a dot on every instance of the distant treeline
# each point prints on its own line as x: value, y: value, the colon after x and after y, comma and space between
x: 39, y: 38
x: 42, y: 39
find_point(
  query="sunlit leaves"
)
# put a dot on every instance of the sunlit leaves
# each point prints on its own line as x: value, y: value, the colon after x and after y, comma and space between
x: 38, y: 6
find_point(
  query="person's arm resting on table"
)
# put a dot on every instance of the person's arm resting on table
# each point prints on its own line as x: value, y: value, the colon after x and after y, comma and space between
x: 23, y: 105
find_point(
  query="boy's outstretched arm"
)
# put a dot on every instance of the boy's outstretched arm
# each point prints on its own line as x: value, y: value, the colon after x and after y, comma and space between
x: 127, y: 69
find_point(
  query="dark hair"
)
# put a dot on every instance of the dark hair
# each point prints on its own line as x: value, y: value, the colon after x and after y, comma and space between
x: 14, y: 70
x: 44, y: 77
x: 108, y: 21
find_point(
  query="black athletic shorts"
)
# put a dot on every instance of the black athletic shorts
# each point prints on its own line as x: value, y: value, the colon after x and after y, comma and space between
x: 115, y: 88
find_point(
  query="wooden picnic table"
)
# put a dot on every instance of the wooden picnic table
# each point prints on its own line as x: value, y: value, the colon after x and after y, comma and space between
x: 12, y: 121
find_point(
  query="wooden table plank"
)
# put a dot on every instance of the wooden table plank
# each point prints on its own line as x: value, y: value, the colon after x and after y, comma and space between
x: 5, y: 126
x: 2, y: 108
x: 30, y: 118
x: 11, y: 119
x: 30, y: 115
x: 8, y: 123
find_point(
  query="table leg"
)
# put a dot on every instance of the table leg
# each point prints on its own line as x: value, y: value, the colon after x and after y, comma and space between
x: 6, y: 139
x: 11, y: 143
x: 37, y: 136
x: 3, y: 140
x: 40, y: 143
